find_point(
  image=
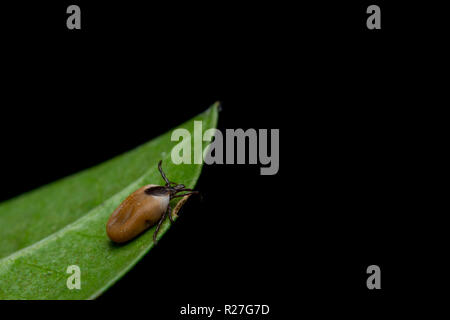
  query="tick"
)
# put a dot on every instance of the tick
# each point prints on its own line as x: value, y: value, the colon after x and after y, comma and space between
x: 145, y: 207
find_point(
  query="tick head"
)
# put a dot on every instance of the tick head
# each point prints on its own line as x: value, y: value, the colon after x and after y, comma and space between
x: 179, y: 187
x: 170, y: 186
x: 175, y: 188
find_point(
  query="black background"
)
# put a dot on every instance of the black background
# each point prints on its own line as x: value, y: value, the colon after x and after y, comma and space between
x: 340, y: 94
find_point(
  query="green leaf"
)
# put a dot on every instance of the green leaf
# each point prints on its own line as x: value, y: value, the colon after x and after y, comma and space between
x: 64, y: 223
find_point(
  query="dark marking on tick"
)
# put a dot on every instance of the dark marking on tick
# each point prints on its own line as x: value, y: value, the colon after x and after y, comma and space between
x: 157, y: 191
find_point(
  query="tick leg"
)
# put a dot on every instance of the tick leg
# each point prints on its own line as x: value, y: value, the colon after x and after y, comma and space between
x: 159, y: 226
x: 163, y: 174
x: 169, y: 212
x: 182, y: 195
x: 185, y: 189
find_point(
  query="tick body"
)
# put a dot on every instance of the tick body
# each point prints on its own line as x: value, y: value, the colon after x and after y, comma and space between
x: 145, y: 207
